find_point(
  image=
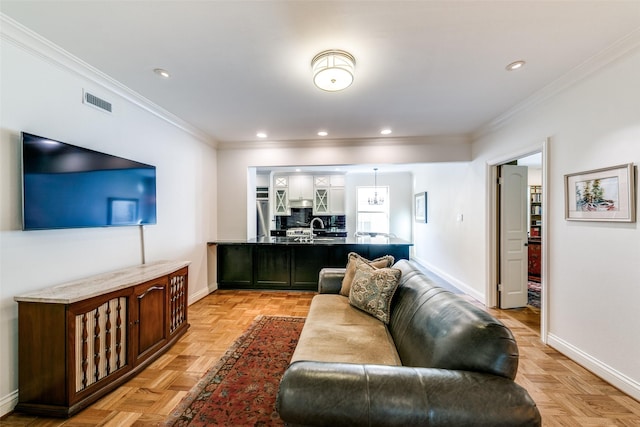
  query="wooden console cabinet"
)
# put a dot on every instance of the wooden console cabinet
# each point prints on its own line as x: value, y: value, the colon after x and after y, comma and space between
x: 81, y: 340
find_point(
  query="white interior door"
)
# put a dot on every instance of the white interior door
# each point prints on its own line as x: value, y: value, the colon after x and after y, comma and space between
x: 513, y: 237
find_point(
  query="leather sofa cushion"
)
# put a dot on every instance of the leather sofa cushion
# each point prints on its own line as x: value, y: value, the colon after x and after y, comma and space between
x: 433, y: 328
x: 349, y: 395
x: 337, y: 332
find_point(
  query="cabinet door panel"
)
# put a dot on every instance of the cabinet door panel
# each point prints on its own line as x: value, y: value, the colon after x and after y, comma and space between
x: 41, y: 374
x: 306, y: 264
x: 282, y: 202
x: 300, y: 187
x: 150, y: 319
x: 178, y: 300
x: 337, y: 180
x: 336, y: 201
x: 321, y: 201
x: 100, y: 339
x: 151, y: 307
x: 272, y: 266
x: 235, y: 265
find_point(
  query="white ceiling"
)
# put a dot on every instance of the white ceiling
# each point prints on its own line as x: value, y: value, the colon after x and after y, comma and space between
x: 423, y: 68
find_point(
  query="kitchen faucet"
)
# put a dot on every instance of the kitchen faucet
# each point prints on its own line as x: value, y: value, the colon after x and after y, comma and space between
x: 314, y: 220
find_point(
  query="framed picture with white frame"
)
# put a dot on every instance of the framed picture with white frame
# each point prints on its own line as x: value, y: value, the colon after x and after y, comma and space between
x: 606, y: 194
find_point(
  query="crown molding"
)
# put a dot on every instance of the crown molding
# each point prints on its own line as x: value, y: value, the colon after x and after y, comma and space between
x: 575, y: 75
x: 33, y: 43
x: 347, y: 142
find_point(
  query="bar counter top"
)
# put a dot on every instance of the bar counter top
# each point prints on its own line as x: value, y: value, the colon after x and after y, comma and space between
x: 317, y: 241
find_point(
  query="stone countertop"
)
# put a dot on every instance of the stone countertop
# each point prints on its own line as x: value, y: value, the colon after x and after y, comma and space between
x: 319, y: 241
x: 100, y: 284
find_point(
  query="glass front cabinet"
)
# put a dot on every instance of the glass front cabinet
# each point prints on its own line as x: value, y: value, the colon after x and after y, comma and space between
x: 281, y: 195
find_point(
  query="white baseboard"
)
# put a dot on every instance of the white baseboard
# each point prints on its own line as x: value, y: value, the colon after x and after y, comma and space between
x: 604, y: 371
x: 8, y: 402
x: 455, y: 282
x: 199, y: 295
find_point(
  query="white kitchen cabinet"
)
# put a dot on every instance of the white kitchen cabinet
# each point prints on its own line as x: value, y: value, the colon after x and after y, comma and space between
x: 281, y: 181
x: 321, y: 201
x: 336, y: 180
x: 329, y: 195
x: 336, y: 201
x: 300, y: 187
x: 281, y: 195
x: 281, y: 202
x: 321, y: 181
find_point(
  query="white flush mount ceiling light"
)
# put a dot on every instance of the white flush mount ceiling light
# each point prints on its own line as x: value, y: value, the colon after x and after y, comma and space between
x: 515, y: 65
x: 323, y: 133
x: 333, y: 70
x: 385, y: 131
x: 261, y: 135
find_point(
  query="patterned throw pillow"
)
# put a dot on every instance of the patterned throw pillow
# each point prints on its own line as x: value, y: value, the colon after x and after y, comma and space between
x: 352, y: 259
x: 372, y: 290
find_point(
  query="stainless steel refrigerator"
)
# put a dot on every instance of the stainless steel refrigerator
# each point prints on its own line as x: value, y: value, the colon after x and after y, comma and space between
x: 262, y: 215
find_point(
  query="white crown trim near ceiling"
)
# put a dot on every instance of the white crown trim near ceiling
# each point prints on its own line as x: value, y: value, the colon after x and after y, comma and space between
x: 32, y: 42
x: 575, y: 75
x: 446, y: 140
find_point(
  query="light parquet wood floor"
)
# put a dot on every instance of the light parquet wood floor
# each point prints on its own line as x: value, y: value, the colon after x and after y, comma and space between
x: 566, y: 394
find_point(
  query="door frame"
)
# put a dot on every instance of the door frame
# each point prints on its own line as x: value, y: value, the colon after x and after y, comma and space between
x: 492, y: 228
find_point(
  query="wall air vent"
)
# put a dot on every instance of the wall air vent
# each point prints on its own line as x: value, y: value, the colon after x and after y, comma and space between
x: 96, y: 102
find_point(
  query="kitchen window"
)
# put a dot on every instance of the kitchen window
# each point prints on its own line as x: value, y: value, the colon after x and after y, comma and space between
x: 373, y: 209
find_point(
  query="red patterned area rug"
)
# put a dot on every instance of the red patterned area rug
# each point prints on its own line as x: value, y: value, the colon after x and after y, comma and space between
x: 240, y: 390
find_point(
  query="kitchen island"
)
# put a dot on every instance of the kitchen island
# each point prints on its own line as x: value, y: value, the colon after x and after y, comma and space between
x: 293, y: 264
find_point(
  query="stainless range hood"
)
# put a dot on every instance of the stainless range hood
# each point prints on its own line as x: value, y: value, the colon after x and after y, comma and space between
x: 301, y: 203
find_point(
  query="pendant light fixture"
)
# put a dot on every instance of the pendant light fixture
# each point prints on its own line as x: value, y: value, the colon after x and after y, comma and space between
x: 333, y: 70
x: 375, y: 200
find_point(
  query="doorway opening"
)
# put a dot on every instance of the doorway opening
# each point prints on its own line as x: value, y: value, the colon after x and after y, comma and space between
x: 516, y: 252
x: 519, y: 240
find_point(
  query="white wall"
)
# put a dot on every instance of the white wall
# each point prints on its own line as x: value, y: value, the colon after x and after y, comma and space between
x: 451, y: 242
x: 42, y: 96
x: 593, y: 278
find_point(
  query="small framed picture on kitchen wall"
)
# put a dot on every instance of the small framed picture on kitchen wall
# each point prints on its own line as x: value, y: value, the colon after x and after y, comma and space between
x: 606, y: 194
x: 420, y: 207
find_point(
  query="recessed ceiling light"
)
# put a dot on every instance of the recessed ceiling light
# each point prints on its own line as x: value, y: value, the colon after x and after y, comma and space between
x: 385, y: 131
x: 515, y: 65
x: 162, y: 73
x: 323, y: 133
x: 261, y: 135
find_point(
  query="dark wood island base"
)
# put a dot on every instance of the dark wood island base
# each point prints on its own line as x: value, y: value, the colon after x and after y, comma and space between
x: 280, y: 263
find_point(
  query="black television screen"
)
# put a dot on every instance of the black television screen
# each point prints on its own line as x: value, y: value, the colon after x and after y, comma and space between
x: 65, y: 186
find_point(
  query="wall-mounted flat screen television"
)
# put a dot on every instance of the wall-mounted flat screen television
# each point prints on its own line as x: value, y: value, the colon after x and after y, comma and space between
x: 66, y: 186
